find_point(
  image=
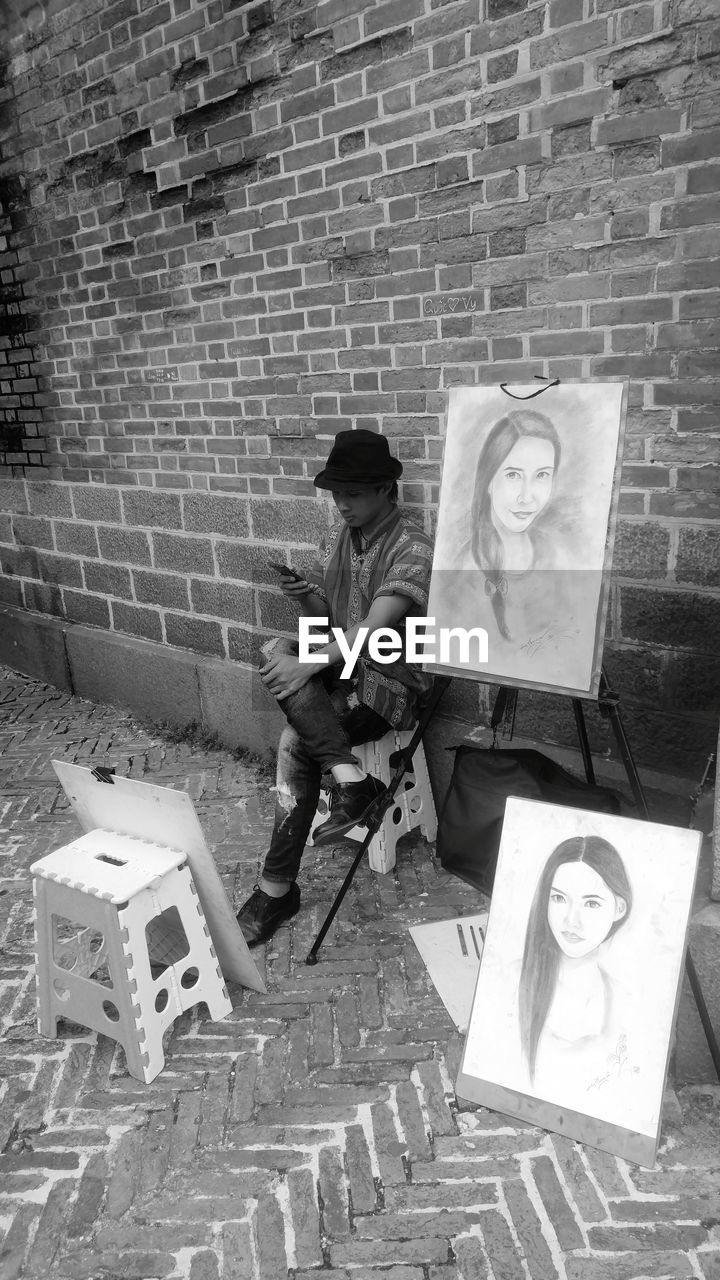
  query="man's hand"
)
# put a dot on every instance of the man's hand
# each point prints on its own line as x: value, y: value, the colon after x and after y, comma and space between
x: 294, y: 588
x: 285, y: 674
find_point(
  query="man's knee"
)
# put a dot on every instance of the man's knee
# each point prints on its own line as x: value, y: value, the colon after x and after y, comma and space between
x: 280, y: 645
x: 290, y: 747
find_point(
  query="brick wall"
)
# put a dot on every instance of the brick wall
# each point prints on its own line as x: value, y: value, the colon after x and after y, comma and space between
x: 22, y: 442
x: 239, y: 228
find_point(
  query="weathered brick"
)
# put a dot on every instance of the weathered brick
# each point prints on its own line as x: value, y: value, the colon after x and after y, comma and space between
x: 556, y: 1204
x: 222, y: 600
x: 641, y: 550
x: 151, y: 510
x: 124, y: 545
x: 96, y: 503
x: 30, y: 531
x: 136, y: 621
x: 107, y: 579
x: 210, y: 513
x: 183, y: 554
x: 698, y: 557
x: 683, y: 619
x: 166, y: 589
x: 90, y: 609
x: 63, y: 570
x: 77, y: 539
x: 642, y: 124
x: 506, y: 156
x: 290, y: 521
x: 13, y: 496
x: 48, y: 499
x: 370, y: 1253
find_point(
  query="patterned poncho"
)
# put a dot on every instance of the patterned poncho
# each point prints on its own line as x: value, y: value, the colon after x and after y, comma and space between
x: 348, y: 578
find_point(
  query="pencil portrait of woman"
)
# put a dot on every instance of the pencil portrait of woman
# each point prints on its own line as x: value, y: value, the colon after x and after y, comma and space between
x: 581, y: 971
x: 568, y: 1014
x: 514, y: 483
x: 525, y: 528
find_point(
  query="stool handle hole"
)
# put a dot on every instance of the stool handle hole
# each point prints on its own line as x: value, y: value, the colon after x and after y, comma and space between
x: 112, y: 862
x: 161, y: 1000
x: 61, y: 992
x: 190, y: 978
x: 111, y: 1011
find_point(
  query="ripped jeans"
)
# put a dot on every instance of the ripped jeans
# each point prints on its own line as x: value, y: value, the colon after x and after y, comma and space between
x: 325, y: 721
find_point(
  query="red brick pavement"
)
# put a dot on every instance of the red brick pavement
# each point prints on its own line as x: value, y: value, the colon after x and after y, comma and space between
x: 315, y: 1131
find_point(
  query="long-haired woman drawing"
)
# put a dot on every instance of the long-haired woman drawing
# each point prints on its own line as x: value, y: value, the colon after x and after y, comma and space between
x: 514, y: 481
x: 565, y: 995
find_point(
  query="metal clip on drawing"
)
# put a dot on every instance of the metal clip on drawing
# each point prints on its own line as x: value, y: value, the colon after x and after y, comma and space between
x: 101, y: 773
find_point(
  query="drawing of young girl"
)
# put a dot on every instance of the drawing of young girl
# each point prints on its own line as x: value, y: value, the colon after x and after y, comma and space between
x: 514, y: 481
x: 567, y: 1018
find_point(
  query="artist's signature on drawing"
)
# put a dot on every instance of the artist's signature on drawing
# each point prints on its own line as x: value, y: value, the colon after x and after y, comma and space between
x: 618, y: 1065
x: 551, y: 634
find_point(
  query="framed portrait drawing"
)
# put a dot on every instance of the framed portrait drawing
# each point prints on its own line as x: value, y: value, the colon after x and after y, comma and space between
x: 579, y: 982
x: 526, y: 526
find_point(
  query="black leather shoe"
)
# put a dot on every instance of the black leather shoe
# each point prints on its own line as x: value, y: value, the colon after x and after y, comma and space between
x: 261, y: 915
x: 350, y: 805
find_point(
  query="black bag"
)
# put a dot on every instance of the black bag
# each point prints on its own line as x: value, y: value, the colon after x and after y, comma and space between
x: 472, y: 816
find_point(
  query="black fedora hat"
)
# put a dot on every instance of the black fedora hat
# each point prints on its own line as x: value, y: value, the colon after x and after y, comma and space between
x: 358, y: 457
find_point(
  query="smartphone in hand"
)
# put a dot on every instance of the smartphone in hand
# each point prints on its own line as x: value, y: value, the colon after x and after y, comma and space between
x: 285, y: 571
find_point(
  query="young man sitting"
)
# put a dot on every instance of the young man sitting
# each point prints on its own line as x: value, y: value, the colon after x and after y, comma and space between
x: 373, y: 570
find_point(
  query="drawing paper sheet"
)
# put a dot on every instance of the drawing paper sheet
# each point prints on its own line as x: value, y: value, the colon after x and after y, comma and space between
x: 453, y: 974
x: 525, y: 532
x: 607, y: 1008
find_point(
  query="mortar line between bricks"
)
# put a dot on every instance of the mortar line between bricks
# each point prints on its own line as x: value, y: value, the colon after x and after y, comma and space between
x: 364, y: 1115
x: 282, y: 1195
x: 392, y: 1103
x: 695, y: 1255
x: 417, y: 1084
x: 448, y: 1084
x: 624, y: 1171
x: 39, y: 1195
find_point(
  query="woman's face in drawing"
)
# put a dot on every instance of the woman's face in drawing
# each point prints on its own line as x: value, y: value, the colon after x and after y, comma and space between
x: 522, y: 484
x: 581, y: 909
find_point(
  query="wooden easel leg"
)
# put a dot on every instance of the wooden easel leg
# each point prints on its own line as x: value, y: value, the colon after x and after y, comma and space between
x: 583, y: 740
x: 609, y: 704
x: 702, y: 1009
x: 376, y: 817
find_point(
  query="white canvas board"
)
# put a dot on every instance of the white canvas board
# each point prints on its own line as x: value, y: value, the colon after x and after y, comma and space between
x: 526, y: 526
x: 451, y: 951
x: 577, y: 993
x: 164, y: 816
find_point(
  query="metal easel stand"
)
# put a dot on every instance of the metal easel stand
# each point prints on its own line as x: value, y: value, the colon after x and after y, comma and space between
x: 609, y: 705
x: 378, y: 813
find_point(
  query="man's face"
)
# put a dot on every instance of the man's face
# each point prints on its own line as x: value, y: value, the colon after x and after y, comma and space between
x: 360, y: 505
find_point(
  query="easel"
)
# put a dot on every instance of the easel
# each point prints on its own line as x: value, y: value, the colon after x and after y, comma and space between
x: 505, y: 707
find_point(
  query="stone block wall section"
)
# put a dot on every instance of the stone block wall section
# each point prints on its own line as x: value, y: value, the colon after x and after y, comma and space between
x: 239, y: 228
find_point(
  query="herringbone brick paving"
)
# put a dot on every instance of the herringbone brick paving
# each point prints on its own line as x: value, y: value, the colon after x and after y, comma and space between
x: 315, y: 1132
